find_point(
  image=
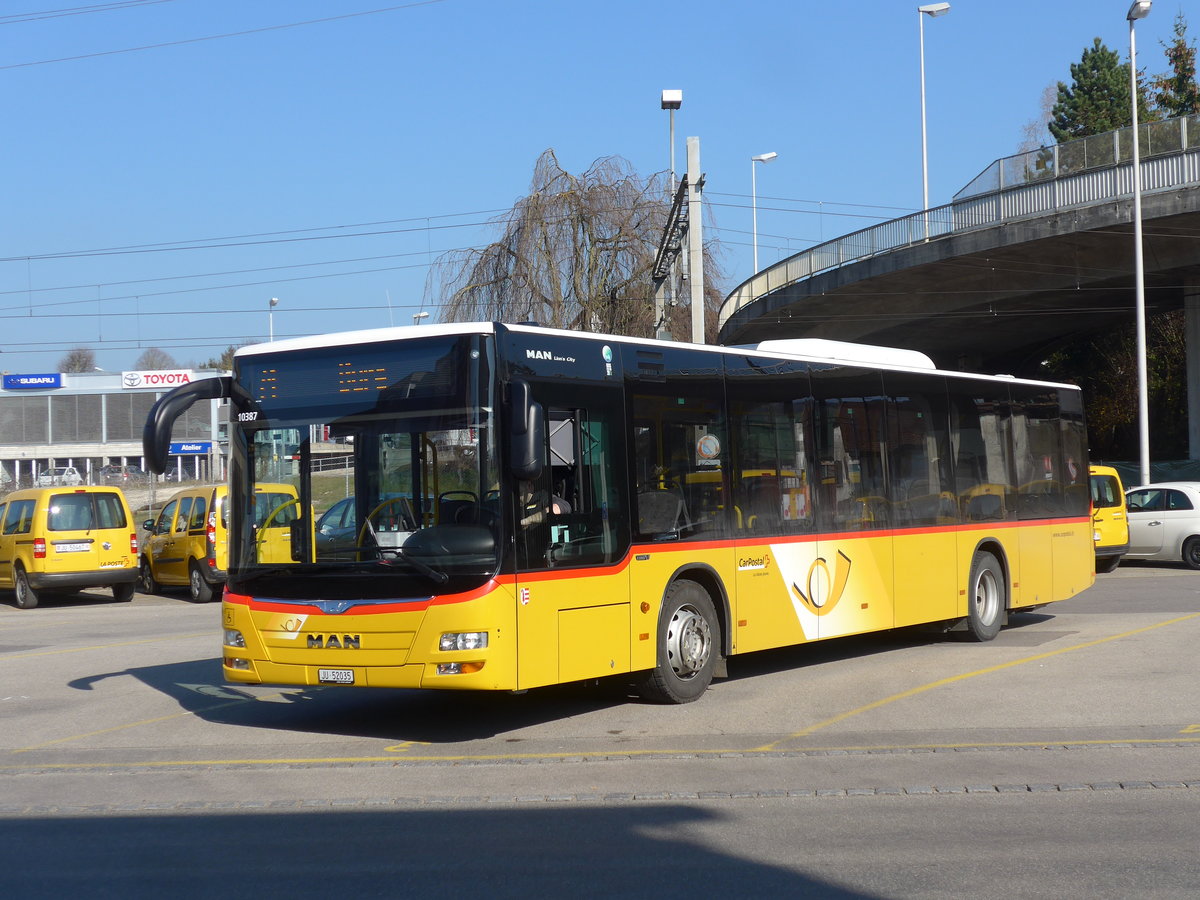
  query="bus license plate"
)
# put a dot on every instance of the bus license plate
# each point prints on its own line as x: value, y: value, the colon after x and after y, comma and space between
x: 335, y: 676
x: 81, y: 547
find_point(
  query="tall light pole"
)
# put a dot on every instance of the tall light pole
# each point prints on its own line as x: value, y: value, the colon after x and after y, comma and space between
x: 1139, y: 10
x: 932, y: 10
x: 672, y: 100
x: 761, y: 158
x: 664, y: 296
x: 271, y: 317
x: 417, y: 317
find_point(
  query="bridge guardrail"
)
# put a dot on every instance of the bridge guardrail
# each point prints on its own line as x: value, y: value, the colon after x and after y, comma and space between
x: 1050, y: 179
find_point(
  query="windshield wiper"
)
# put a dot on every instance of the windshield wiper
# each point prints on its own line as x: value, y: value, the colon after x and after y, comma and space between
x: 423, y: 568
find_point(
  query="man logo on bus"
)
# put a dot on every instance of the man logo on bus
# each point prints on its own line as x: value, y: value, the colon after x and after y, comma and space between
x: 818, y: 596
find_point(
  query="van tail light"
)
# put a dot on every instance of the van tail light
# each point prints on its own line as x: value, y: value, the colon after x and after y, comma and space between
x: 211, y: 534
x: 133, y: 544
x: 39, y: 548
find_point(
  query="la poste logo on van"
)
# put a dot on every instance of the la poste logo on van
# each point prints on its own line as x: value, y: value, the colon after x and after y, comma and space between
x: 158, y: 378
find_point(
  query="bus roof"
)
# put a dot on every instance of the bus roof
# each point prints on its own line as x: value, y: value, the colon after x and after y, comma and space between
x: 809, y: 349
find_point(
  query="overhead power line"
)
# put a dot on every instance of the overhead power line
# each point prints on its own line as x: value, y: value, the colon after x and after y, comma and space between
x: 18, y: 18
x: 216, y: 37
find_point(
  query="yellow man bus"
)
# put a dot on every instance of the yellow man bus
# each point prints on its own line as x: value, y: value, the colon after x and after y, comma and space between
x: 523, y: 506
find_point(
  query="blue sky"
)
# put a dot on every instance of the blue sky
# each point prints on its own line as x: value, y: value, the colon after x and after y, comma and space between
x: 328, y: 164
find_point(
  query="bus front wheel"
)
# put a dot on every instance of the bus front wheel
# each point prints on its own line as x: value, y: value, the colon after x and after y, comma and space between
x: 688, y: 642
x: 986, y: 597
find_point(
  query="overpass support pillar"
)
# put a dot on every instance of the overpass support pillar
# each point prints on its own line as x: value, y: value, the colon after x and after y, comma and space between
x: 1191, y: 331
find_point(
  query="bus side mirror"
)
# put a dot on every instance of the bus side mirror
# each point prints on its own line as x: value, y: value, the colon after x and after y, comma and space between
x: 528, y: 431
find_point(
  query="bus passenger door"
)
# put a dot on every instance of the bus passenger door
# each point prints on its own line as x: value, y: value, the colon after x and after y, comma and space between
x: 573, y: 615
x: 850, y: 585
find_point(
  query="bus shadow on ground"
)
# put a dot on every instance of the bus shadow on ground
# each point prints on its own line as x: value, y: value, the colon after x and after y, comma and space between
x: 394, y: 714
x: 453, y: 717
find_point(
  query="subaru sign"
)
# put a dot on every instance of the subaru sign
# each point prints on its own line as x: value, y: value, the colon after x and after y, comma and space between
x: 32, y: 382
x: 191, y: 448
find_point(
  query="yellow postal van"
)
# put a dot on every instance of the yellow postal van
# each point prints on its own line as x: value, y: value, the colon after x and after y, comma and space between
x: 67, y: 539
x: 1110, y: 522
x: 188, y: 544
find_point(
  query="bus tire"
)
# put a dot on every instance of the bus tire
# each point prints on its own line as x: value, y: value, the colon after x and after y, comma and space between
x: 26, y: 596
x: 689, y: 638
x: 986, y: 597
x: 201, y: 590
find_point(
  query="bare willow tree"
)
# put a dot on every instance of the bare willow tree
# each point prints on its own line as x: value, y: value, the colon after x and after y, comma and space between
x: 576, y: 253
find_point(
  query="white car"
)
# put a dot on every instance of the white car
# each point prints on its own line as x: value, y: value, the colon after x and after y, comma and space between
x: 1164, y: 522
x: 59, y: 475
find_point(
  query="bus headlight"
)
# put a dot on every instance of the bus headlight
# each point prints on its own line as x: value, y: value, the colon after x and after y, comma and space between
x: 233, y: 638
x: 463, y: 640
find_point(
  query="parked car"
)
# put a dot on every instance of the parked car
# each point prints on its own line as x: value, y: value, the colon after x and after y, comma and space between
x: 1110, y: 522
x: 188, y: 544
x: 1164, y: 522
x: 59, y: 475
x: 121, y: 475
x: 58, y: 540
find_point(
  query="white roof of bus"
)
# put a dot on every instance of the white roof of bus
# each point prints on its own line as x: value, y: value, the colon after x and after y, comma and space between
x: 810, y: 349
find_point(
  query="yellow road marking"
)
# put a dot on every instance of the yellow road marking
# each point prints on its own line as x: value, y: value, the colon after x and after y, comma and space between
x: 942, y: 682
x: 1191, y: 729
x: 405, y: 746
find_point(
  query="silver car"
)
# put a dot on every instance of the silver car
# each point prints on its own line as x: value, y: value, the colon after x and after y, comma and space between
x: 1164, y: 522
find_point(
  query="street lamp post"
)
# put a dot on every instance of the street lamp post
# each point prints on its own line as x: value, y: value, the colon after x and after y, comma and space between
x: 761, y: 158
x: 1139, y: 10
x: 672, y: 100
x: 417, y: 317
x: 271, y: 317
x: 932, y: 10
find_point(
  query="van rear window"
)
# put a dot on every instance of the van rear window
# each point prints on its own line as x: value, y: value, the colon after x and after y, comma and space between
x: 85, y: 511
x: 1106, y: 491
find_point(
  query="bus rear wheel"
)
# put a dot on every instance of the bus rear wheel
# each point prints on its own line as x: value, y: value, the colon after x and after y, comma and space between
x: 986, y: 597
x: 688, y: 642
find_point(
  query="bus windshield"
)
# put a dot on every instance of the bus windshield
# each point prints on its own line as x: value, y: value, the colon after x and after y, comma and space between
x: 367, y: 472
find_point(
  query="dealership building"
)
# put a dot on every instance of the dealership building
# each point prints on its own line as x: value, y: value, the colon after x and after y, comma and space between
x: 94, y: 419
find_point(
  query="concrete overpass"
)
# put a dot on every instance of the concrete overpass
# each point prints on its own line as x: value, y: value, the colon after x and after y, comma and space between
x: 1036, y: 248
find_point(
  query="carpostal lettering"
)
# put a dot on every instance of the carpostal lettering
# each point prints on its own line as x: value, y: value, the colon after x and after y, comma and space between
x: 753, y: 562
x: 333, y: 642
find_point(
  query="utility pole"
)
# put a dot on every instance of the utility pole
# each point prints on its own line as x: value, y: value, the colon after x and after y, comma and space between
x: 695, y: 238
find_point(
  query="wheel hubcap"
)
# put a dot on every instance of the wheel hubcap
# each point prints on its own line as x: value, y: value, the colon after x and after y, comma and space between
x: 689, y: 642
x: 987, y: 596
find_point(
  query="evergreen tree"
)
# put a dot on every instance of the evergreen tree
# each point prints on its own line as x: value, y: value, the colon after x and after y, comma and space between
x: 1176, y: 93
x: 224, y: 362
x: 1097, y: 99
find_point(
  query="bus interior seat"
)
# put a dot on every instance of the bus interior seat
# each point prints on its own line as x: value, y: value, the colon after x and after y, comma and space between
x: 660, y: 512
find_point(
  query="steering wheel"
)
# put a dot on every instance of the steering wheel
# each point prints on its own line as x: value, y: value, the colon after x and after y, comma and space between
x: 260, y: 536
x: 406, y: 519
